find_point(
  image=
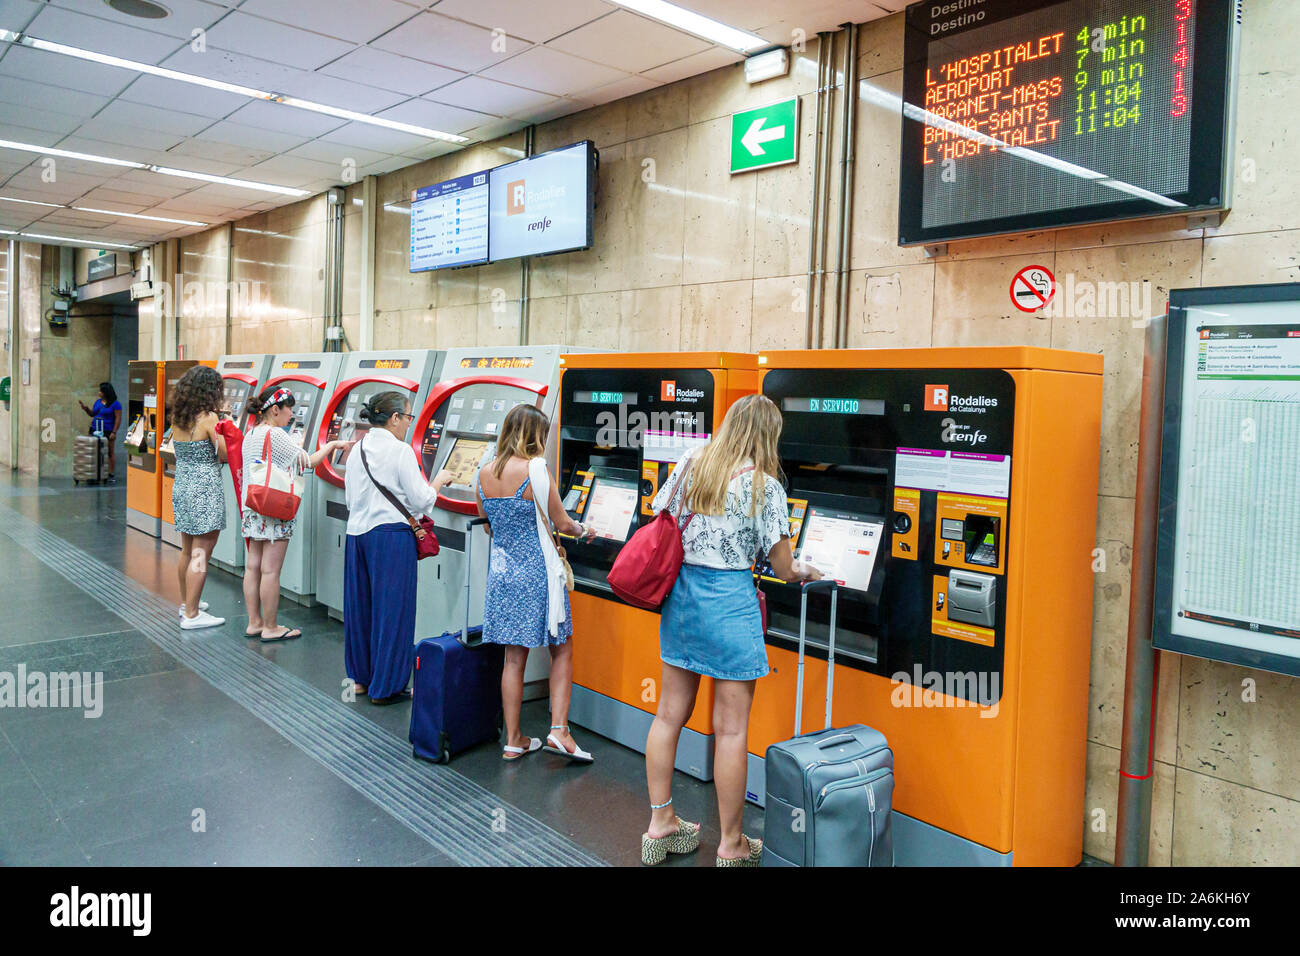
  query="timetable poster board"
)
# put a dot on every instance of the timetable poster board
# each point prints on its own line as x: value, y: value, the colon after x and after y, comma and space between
x: 543, y: 204
x: 449, y: 224
x: 1031, y: 114
x: 1227, y: 565
x: 841, y: 546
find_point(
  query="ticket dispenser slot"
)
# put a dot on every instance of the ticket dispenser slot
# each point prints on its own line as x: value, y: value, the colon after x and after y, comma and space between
x: 972, y: 597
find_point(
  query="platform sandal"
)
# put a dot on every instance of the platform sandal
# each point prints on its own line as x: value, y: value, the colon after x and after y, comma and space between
x: 755, y: 855
x: 514, y: 753
x: 553, y: 745
x: 654, y: 850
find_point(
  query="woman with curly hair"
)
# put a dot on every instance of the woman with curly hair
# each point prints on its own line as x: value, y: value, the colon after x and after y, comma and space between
x: 197, y: 495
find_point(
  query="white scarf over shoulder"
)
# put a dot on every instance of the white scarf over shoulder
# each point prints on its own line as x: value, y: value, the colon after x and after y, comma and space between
x: 540, y: 481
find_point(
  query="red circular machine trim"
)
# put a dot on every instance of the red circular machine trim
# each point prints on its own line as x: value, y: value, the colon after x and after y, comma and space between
x: 308, y: 379
x: 241, y: 377
x: 325, y: 469
x: 439, y: 394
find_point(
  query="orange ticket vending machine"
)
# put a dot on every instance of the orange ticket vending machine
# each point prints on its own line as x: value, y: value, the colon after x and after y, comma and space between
x: 172, y: 372
x: 953, y: 494
x: 625, y: 421
x: 143, y: 470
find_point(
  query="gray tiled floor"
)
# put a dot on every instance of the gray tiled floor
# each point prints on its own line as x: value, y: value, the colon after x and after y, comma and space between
x: 123, y: 789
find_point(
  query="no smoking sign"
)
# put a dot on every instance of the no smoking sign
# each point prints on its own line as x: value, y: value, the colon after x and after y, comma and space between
x: 1032, y: 288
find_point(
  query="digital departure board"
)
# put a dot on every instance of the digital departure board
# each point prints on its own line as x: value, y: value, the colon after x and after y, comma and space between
x: 1031, y: 114
x: 1227, y: 566
x: 449, y: 224
x: 606, y: 398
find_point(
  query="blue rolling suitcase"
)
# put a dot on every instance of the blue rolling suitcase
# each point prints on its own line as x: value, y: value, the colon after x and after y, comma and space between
x: 829, y: 793
x: 456, y: 693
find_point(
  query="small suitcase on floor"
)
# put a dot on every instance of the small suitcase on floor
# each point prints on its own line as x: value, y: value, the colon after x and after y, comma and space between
x: 89, y: 458
x: 829, y: 793
x: 456, y: 694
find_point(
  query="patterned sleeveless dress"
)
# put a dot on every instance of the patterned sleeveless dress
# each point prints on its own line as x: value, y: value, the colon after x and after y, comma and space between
x: 515, y: 608
x: 198, y: 497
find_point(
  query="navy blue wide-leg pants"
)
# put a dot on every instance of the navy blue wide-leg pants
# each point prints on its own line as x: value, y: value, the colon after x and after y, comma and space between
x: 379, y: 594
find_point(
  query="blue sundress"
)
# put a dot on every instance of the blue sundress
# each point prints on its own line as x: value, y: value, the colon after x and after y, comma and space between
x: 515, y: 608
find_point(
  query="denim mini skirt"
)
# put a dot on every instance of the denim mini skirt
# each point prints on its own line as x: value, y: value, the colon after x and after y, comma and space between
x: 711, y: 625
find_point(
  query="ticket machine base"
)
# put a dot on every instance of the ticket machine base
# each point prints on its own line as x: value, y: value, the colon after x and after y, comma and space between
x: 629, y: 726
x: 149, y: 524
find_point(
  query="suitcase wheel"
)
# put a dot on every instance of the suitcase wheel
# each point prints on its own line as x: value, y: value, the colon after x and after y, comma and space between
x: 444, y: 749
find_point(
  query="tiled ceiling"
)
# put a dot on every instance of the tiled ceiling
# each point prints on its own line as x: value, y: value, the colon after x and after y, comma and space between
x: 479, y: 68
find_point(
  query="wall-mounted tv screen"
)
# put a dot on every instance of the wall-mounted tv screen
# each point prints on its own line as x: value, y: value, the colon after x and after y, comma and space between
x: 543, y: 204
x: 1032, y: 114
x: 449, y: 224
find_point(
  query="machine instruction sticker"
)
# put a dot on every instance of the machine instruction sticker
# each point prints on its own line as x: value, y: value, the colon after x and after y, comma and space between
x: 671, y: 446
x: 963, y: 472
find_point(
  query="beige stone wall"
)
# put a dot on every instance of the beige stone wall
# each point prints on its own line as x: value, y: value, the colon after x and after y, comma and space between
x: 74, y: 360
x: 687, y: 256
x: 6, y: 408
x: 33, y: 299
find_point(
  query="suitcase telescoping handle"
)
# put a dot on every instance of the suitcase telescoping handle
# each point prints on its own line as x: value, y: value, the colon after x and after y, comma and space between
x: 469, y: 566
x: 826, y: 584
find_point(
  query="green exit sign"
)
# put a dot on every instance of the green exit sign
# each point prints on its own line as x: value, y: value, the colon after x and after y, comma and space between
x: 767, y: 136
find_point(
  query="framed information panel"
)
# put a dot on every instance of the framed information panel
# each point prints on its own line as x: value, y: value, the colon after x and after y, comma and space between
x: 1227, y: 581
x: 1036, y: 114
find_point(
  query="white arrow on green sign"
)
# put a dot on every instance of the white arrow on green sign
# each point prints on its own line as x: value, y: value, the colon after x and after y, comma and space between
x: 767, y: 136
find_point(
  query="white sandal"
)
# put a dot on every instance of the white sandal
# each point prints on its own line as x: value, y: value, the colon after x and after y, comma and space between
x: 554, y: 746
x: 514, y: 753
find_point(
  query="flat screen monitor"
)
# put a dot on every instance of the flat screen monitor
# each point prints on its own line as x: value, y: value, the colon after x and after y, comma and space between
x: 449, y: 224
x: 543, y: 204
x: 841, y: 545
x: 611, y: 508
x: 1227, y: 566
x: 1033, y: 114
x: 463, y: 460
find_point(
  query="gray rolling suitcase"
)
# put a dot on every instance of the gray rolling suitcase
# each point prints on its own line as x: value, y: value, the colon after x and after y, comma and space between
x: 88, y: 458
x: 829, y: 793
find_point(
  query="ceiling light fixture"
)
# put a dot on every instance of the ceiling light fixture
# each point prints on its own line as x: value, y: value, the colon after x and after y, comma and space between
x: 36, y: 43
x: 102, y: 212
x: 162, y: 170
x: 95, y: 243
x: 767, y: 66
x: 699, y: 25
x: 136, y: 215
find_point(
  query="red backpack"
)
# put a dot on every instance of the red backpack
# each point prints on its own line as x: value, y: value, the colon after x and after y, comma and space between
x: 647, y: 567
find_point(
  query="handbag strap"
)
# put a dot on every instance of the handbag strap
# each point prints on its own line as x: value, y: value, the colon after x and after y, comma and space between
x: 392, y: 498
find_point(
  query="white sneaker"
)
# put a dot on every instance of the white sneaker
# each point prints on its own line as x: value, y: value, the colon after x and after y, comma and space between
x: 202, y: 619
x: 180, y: 611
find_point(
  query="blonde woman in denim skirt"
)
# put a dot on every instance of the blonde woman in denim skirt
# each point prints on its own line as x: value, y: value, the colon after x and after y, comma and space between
x: 734, y: 511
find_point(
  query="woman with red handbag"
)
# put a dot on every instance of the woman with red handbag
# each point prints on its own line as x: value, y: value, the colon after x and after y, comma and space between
x: 267, y: 537
x: 732, y: 508
x: 383, y: 481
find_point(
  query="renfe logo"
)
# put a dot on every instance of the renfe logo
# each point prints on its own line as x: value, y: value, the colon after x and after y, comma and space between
x: 936, y: 398
x: 667, y: 391
x: 515, y: 197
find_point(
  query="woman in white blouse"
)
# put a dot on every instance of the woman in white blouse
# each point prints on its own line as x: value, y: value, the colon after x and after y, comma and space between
x: 379, y: 590
x: 267, y: 539
x: 733, y: 510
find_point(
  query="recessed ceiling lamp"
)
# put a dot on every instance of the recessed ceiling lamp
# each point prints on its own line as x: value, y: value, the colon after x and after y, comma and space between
x: 162, y: 170
x: 36, y: 43
x: 102, y: 212
x: 145, y: 9
x: 701, y: 26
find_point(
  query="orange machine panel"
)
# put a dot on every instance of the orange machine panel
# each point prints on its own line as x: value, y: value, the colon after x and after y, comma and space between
x: 144, y: 487
x: 1009, y: 777
x: 616, y: 647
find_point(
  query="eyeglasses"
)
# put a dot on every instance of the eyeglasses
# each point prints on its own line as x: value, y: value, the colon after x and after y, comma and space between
x: 405, y: 414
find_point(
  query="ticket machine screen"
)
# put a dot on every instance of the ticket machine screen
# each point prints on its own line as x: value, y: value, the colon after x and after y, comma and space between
x: 842, y: 546
x: 463, y: 460
x: 345, y: 424
x: 611, y: 508
x: 235, y: 395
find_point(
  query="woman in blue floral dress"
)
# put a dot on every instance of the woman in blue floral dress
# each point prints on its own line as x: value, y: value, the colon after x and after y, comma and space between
x: 517, y: 607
